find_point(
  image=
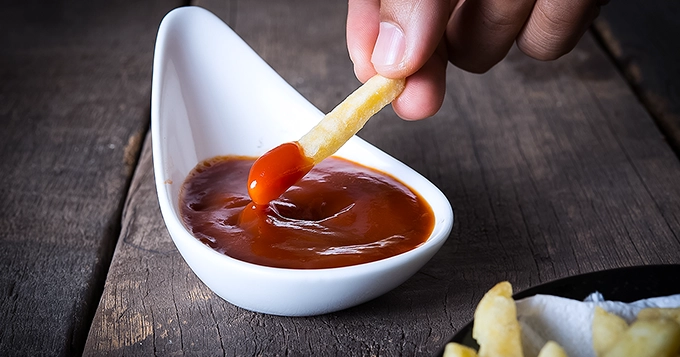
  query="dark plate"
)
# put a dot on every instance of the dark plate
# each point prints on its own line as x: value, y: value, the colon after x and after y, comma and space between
x: 622, y: 284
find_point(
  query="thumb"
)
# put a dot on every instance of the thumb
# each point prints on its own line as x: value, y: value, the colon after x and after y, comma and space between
x: 408, y: 35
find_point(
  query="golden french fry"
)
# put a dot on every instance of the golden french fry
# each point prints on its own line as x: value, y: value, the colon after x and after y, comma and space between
x: 453, y: 349
x: 349, y: 117
x: 552, y: 349
x: 496, y: 328
x: 281, y: 167
x: 659, y: 312
x: 648, y: 338
x: 606, y: 329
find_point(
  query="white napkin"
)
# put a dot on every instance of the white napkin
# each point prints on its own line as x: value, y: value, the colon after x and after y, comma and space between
x: 568, y: 322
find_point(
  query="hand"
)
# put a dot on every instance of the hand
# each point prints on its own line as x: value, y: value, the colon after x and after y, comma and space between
x: 415, y: 39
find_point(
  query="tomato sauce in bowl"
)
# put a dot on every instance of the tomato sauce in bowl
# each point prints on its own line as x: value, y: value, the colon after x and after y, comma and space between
x: 340, y: 214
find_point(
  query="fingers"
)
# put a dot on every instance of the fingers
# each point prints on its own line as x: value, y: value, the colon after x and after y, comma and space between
x: 363, y: 23
x: 409, y: 33
x: 555, y: 27
x: 394, y: 37
x: 398, y: 39
x: 413, y: 38
x: 424, y: 92
x: 481, y: 32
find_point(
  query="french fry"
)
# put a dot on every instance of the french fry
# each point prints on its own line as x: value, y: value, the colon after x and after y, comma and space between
x: 648, y: 338
x: 349, y: 117
x: 281, y: 167
x: 552, y: 349
x: 453, y: 349
x: 659, y: 312
x: 606, y: 329
x: 496, y: 328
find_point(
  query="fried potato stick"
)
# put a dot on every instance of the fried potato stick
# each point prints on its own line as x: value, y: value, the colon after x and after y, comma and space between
x: 349, y: 117
x: 453, y: 349
x: 660, y: 312
x: 606, y: 329
x: 648, y: 338
x: 281, y: 167
x: 552, y: 349
x: 496, y: 328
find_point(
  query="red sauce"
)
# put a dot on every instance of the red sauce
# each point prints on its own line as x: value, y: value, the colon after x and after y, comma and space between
x: 275, y: 171
x: 339, y: 214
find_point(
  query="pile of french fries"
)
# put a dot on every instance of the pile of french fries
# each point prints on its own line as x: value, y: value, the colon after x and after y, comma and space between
x: 655, y: 333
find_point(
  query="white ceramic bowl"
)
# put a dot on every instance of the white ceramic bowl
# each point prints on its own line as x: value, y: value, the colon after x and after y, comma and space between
x: 213, y: 95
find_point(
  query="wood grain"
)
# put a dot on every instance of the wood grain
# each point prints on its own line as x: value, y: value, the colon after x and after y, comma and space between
x: 642, y: 37
x: 553, y: 169
x: 74, y: 102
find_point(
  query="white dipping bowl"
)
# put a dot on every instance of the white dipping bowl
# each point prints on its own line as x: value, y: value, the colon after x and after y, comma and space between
x: 213, y: 95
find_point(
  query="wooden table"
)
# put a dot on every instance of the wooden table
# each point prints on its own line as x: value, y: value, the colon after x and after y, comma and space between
x: 552, y: 169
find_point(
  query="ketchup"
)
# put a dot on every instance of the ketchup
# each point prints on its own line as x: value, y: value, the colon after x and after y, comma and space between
x: 338, y: 214
x: 275, y: 171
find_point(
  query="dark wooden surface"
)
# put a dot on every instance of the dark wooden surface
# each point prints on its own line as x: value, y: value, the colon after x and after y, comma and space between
x: 642, y: 36
x: 553, y: 169
x: 75, y: 78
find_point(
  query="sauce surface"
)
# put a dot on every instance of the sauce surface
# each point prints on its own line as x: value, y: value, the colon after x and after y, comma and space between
x: 339, y: 214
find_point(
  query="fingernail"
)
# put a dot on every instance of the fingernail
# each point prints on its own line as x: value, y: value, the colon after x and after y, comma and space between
x: 390, y: 46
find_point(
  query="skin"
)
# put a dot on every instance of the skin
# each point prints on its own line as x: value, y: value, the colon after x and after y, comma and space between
x: 416, y: 39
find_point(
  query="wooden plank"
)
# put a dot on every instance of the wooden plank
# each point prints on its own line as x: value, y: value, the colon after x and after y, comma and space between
x: 552, y: 169
x: 74, y: 102
x: 643, y: 39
